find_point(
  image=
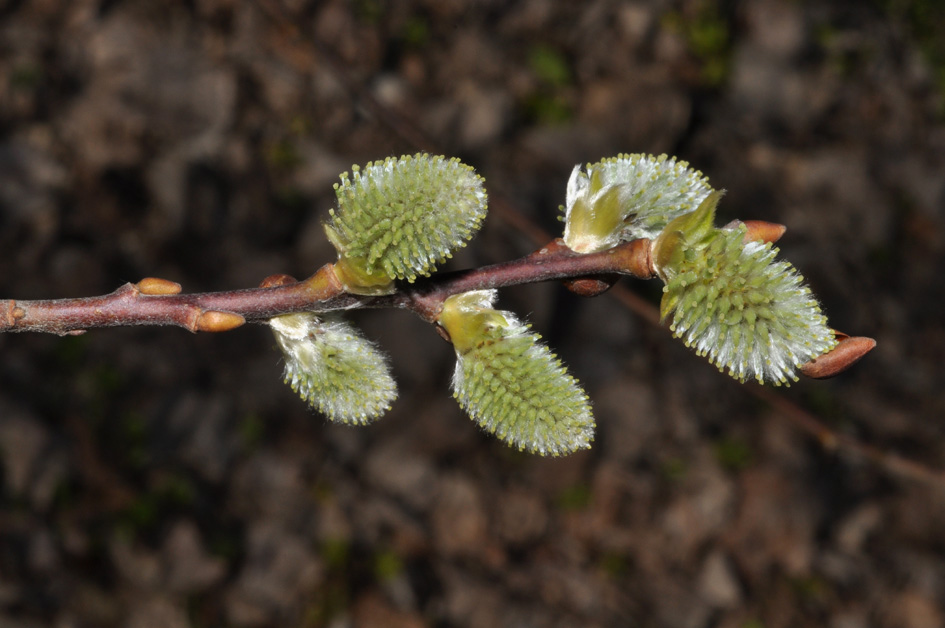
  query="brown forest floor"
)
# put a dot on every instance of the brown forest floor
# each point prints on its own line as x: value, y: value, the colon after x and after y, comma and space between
x: 152, y: 478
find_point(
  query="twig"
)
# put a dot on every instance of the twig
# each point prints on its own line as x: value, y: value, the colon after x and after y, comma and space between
x: 154, y: 301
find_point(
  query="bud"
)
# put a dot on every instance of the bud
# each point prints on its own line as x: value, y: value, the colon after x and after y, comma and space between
x: 213, y: 320
x: 733, y: 302
x: 628, y: 197
x: 849, y: 351
x: 509, y: 383
x: 154, y: 286
x: 399, y: 218
x: 335, y: 369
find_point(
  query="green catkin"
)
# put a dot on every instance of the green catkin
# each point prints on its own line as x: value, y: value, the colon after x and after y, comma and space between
x: 332, y: 367
x: 628, y: 197
x: 511, y: 384
x: 732, y: 301
x: 402, y: 216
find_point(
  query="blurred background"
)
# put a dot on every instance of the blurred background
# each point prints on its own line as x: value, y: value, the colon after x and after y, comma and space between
x: 154, y: 478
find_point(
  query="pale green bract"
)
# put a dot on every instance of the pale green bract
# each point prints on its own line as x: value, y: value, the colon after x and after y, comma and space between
x: 402, y: 216
x: 331, y: 366
x: 512, y: 385
x: 628, y: 197
x: 732, y: 301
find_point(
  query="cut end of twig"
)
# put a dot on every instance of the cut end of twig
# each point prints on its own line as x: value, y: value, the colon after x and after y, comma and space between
x: 213, y: 320
x: 279, y: 279
x: 153, y: 286
x: 848, y: 352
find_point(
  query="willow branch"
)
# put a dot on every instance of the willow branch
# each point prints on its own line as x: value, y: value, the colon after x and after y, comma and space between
x: 155, y: 301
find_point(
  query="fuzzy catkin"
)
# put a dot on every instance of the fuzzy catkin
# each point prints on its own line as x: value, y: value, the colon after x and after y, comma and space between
x: 404, y: 216
x: 749, y: 313
x: 628, y: 197
x: 331, y: 366
x: 512, y: 385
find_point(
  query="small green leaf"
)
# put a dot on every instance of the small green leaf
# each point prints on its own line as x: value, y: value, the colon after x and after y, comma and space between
x: 399, y: 218
x: 697, y: 227
x: 335, y: 369
x: 512, y: 385
x: 628, y: 197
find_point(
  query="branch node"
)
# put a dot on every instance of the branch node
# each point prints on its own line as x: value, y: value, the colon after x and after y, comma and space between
x: 154, y: 286
x: 13, y: 313
x: 214, y: 320
x: 325, y: 283
x: 638, y: 261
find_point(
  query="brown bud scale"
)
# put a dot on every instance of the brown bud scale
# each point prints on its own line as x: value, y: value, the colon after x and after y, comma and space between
x: 762, y: 231
x: 213, y: 320
x: 591, y: 286
x: 154, y: 286
x: 848, y: 352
